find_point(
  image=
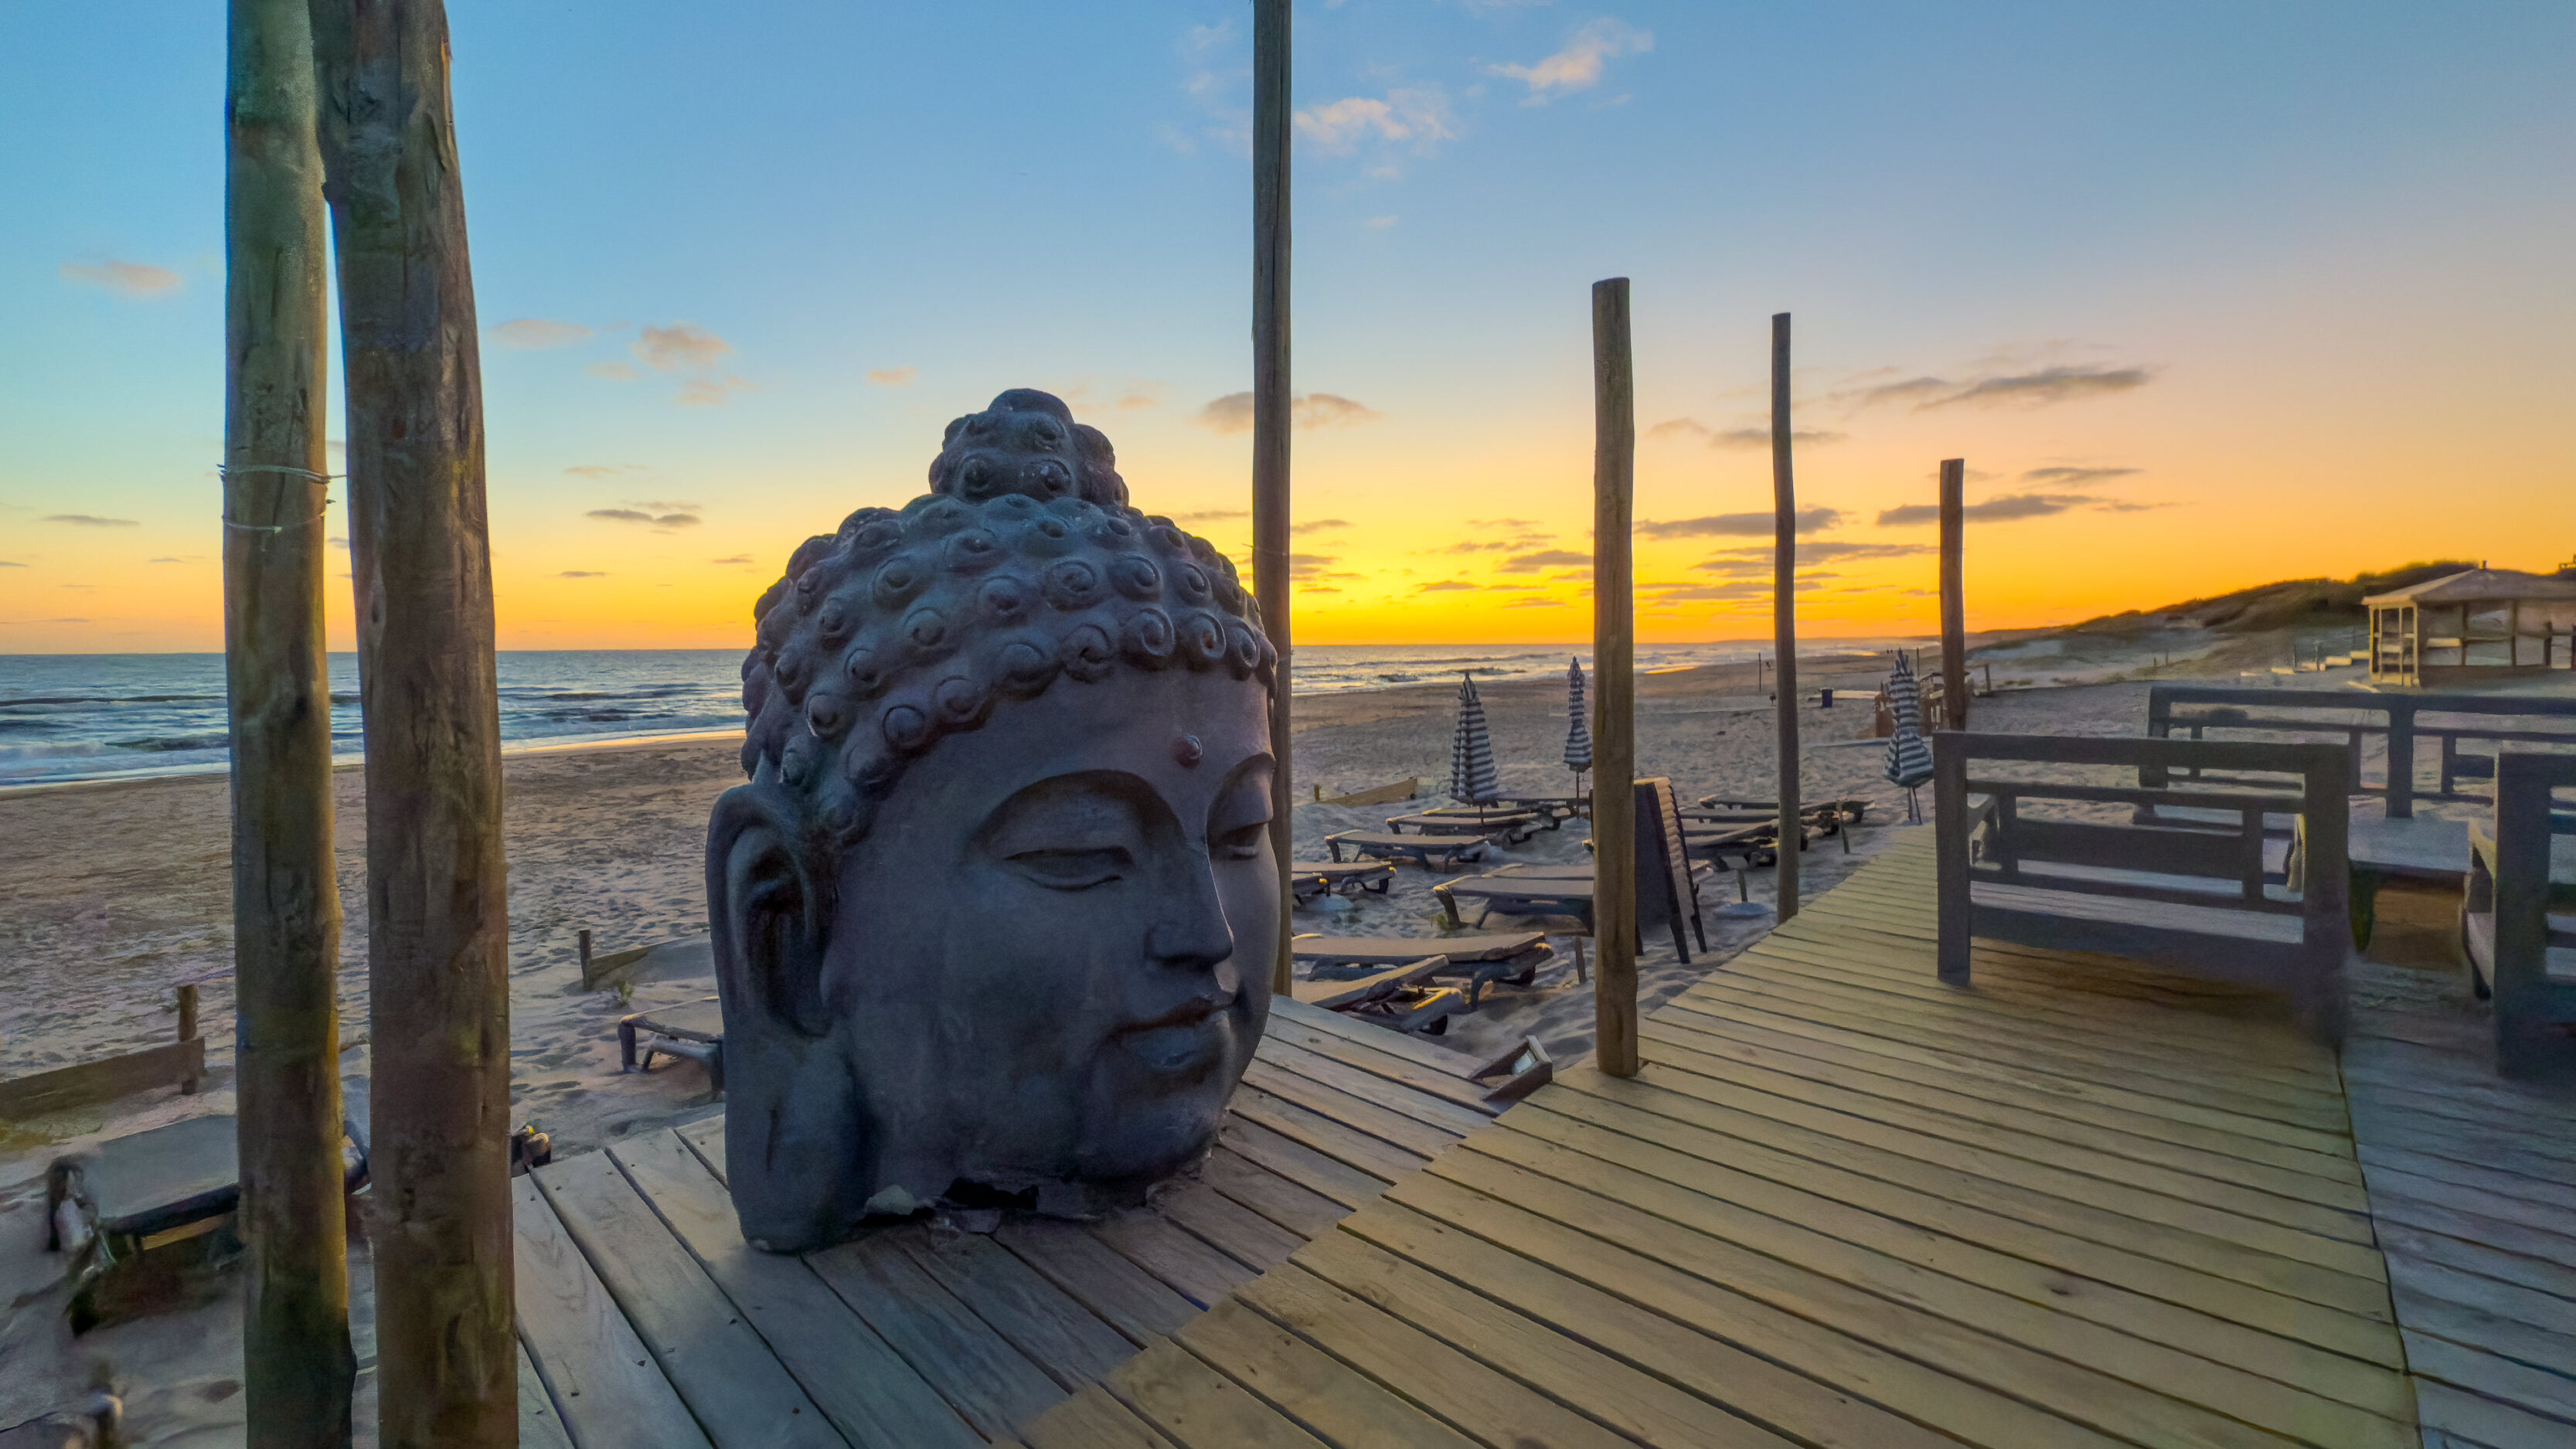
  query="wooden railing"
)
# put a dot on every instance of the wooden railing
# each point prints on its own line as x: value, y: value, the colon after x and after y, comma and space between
x: 2192, y: 710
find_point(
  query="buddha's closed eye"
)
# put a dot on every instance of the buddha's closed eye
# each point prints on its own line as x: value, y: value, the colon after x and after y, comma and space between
x: 1074, y: 868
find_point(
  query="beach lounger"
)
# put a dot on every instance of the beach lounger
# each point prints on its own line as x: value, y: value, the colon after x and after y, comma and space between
x: 1424, y: 850
x: 1313, y: 879
x: 1513, y: 956
x: 1544, y: 816
x: 1561, y: 807
x: 1667, y: 881
x: 1516, y: 1073
x: 2520, y: 960
x: 694, y: 1031
x: 1510, y: 829
x: 180, y: 1063
x: 1397, y: 996
x: 125, y: 1200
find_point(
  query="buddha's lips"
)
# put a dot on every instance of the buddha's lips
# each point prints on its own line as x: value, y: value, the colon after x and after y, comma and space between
x: 1189, y: 1013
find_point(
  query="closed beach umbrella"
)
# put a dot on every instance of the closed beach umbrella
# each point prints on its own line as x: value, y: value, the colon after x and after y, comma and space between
x: 1578, y: 731
x: 1471, y: 754
x: 1909, y: 759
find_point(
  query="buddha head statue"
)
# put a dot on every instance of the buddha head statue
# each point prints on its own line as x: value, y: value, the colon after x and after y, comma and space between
x: 994, y: 913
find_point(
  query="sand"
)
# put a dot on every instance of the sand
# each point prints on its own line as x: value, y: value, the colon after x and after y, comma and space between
x: 110, y: 894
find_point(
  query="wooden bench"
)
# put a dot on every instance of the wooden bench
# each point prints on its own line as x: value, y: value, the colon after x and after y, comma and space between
x: 1510, y: 827
x: 2197, y: 896
x: 2194, y: 710
x: 1513, y: 956
x: 2523, y: 961
x: 1667, y: 881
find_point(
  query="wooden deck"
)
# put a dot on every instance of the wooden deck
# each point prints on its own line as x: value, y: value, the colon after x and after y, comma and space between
x: 2080, y: 1204
x: 648, y: 1322
x: 2473, y: 1191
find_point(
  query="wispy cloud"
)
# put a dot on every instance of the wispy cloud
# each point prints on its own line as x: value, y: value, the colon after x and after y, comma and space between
x: 2005, y: 507
x: 740, y: 558
x: 1232, y: 413
x: 1443, y: 586
x: 529, y: 334
x: 43, y: 621
x: 11, y: 564
x: 1210, y: 515
x: 92, y: 520
x: 613, y: 371
x: 125, y: 279
x: 1737, y: 438
x: 603, y: 470
x: 663, y: 517
x: 682, y: 344
x: 580, y: 574
x: 894, y: 376
x: 166, y: 558
x: 1534, y: 601
x: 1756, y: 559
x: 1318, y: 525
x: 2030, y: 388
x: 2077, y: 477
x: 1412, y: 119
x: 1810, y: 520
x: 710, y: 392
x: 1577, y: 67
x: 1306, y: 566
x: 1552, y: 558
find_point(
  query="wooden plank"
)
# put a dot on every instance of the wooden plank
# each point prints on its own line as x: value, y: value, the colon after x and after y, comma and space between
x: 2459, y: 1222
x: 1136, y: 1303
x: 1968, y: 1352
x: 868, y: 1392
x: 1311, y: 1387
x: 989, y: 1382
x: 1437, y: 1063
x: 2186, y: 1236
x: 1187, y: 1265
x: 1346, y: 1186
x: 170, y: 1064
x: 1322, y: 1135
x: 2483, y: 1274
x: 1198, y: 1407
x: 1092, y: 1419
x: 2471, y: 1323
x: 2250, y: 1165
x: 2542, y: 1217
x: 541, y: 1425
x: 724, y: 1371
x: 2536, y: 1390
x: 1492, y: 1405
x: 1422, y: 1107
x: 1837, y: 1368
x: 1366, y: 1116
x: 1405, y: 1072
x: 2186, y: 1355
x: 2326, y: 1236
x: 2197, y: 1311
x: 2483, y: 1423
x: 1293, y: 1208
x: 1073, y: 1345
x: 1902, y: 1052
x: 1225, y: 1225
x: 596, y: 1370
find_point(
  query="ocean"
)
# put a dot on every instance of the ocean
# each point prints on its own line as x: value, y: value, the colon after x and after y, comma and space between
x: 70, y: 717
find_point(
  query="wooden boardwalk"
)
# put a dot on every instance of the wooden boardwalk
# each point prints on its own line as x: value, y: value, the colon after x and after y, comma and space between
x: 647, y: 1321
x: 2473, y: 1190
x: 2080, y: 1204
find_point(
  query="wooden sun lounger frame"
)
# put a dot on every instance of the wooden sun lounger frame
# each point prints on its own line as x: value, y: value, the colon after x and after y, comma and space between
x: 704, y: 1048
x: 2504, y: 917
x: 1315, y: 879
x: 1506, y: 828
x: 179, y: 1063
x: 1417, y: 848
x: 1983, y: 837
x: 1519, y: 967
x: 1667, y: 883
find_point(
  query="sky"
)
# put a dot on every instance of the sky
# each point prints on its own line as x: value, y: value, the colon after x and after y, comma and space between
x: 2206, y: 294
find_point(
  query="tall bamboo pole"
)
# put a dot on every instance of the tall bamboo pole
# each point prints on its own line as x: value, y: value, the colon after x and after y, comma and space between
x: 1270, y: 417
x: 1954, y: 605
x: 297, y: 1367
x: 437, y: 908
x: 1784, y: 616
x: 1614, y: 731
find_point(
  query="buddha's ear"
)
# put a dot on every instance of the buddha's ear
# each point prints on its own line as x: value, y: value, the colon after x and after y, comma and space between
x: 769, y: 904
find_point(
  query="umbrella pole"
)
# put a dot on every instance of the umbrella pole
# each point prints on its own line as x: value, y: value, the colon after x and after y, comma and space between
x: 1614, y: 831
x: 1270, y: 421
x: 1954, y: 606
x: 1784, y: 619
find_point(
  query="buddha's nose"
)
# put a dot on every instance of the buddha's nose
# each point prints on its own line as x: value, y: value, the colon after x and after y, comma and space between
x: 1192, y: 933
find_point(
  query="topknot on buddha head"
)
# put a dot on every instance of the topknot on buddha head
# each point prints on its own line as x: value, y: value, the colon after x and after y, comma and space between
x: 1027, y: 443
x: 906, y: 626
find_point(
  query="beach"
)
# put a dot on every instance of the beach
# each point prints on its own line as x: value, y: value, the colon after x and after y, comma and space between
x: 114, y: 892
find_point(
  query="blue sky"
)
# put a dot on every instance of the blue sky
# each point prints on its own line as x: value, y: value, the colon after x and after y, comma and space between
x: 2280, y: 288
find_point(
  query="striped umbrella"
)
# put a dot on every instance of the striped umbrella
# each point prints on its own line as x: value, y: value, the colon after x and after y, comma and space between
x: 1471, y: 754
x: 1909, y: 759
x: 1578, y: 731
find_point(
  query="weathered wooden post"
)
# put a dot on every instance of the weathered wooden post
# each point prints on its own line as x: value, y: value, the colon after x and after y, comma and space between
x: 1270, y: 416
x: 437, y: 904
x: 1614, y: 733
x: 1784, y: 618
x: 297, y: 1367
x: 1954, y: 606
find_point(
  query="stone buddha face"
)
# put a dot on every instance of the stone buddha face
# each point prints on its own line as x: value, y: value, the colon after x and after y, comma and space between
x: 994, y: 915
